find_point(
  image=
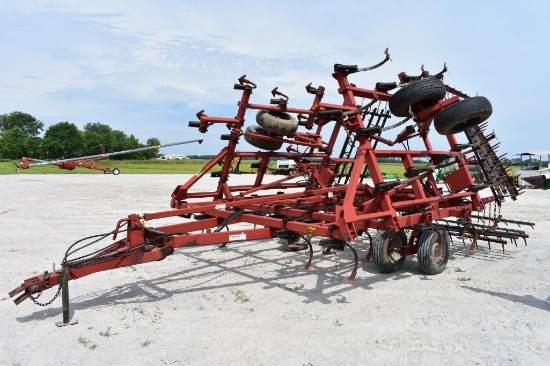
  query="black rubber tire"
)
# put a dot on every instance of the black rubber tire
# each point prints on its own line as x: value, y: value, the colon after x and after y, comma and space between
x: 433, y: 251
x: 260, y: 143
x: 278, y: 123
x: 387, y: 260
x: 106, y: 172
x: 427, y: 91
x: 462, y: 115
x: 116, y: 171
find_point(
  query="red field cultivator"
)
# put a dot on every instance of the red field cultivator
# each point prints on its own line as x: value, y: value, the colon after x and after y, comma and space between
x: 331, y: 198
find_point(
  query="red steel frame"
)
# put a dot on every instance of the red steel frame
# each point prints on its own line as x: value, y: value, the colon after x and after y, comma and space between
x: 316, y: 205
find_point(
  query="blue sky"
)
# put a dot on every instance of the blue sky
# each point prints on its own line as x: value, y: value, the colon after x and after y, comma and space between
x: 146, y: 67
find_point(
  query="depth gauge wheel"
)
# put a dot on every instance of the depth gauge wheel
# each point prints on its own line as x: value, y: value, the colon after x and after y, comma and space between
x: 460, y: 116
x: 426, y: 91
x: 279, y: 123
x: 433, y: 251
x: 384, y: 253
x: 261, y: 143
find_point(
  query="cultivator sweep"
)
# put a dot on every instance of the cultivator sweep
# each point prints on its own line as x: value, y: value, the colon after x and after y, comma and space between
x: 331, y: 199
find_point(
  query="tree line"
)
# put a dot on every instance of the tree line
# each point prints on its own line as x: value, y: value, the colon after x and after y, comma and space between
x: 20, y: 136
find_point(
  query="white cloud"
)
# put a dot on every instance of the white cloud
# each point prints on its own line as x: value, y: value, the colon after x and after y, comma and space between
x: 86, y: 61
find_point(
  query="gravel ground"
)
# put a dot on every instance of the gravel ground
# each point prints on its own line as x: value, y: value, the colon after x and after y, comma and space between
x: 250, y: 304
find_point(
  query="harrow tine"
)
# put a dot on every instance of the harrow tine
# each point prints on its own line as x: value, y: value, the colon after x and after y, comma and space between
x: 351, y: 278
x: 306, y: 268
x: 368, y: 258
x: 483, y: 125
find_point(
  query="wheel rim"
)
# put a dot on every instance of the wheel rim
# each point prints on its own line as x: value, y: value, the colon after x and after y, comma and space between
x: 394, y: 244
x: 437, y: 251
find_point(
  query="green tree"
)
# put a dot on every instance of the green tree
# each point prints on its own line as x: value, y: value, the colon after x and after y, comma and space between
x: 153, y: 141
x: 132, y: 142
x: 96, y: 134
x: 118, y: 143
x: 63, y: 139
x: 92, y: 142
x: 153, y: 153
x: 30, y: 126
x: 99, y: 128
x: 14, y: 144
x: 19, y: 135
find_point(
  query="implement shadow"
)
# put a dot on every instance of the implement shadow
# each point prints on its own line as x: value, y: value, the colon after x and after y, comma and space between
x: 246, y: 261
x: 528, y: 300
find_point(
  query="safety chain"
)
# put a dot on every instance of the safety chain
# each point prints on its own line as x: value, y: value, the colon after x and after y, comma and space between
x: 34, y: 299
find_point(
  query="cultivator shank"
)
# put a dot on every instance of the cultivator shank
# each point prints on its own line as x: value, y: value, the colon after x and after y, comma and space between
x: 332, y: 198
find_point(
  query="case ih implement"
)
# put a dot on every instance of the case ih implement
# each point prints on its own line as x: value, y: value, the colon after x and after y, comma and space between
x: 331, y: 199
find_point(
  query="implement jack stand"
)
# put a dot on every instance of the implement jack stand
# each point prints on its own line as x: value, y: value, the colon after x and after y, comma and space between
x: 65, y: 301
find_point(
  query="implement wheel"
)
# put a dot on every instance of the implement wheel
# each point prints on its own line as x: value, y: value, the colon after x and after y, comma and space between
x: 433, y: 251
x: 278, y: 123
x: 384, y: 253
x: 460, y: 116
x: 261, y: 143
x: 427, y: 91
x: 116, y: 171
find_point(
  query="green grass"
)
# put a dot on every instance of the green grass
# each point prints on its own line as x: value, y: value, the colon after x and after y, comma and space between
x: 185, y: 166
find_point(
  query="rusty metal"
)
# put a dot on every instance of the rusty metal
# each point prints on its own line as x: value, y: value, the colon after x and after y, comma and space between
x: 244, y: 80
x: 331, y: 196
x: 276, y: 92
